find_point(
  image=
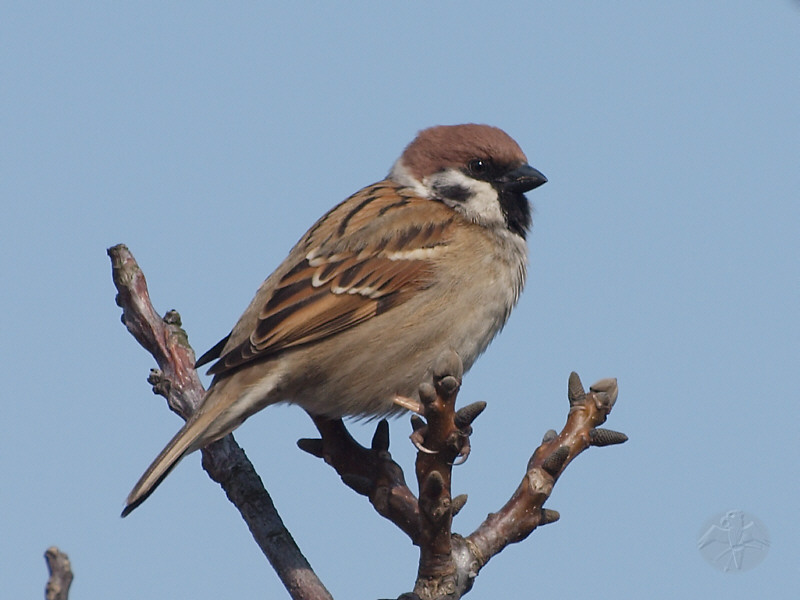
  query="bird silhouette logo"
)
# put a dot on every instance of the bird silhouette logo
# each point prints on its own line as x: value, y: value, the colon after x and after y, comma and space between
x: 734, y: 541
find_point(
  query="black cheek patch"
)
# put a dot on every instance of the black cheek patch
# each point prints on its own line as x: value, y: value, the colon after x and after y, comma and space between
x: 457, y: 193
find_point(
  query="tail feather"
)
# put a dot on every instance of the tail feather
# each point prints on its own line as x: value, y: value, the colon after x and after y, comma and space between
x: 178, y: 447
x: 218, y: 414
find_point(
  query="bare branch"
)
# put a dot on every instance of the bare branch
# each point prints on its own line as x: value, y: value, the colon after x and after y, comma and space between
x: 523, y: 512
x: 449, y: 562
x: 226, y: 463
x: 442, y: 440
x: 371, y: 472
x: 60, y: 571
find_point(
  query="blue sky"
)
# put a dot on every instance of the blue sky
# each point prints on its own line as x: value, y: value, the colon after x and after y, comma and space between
x: 209, y: 137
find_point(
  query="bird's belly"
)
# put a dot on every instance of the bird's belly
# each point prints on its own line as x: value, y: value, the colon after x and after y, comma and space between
x: 382, y: 358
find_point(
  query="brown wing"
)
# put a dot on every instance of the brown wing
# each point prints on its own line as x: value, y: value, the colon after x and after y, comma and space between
x: 366, y: 256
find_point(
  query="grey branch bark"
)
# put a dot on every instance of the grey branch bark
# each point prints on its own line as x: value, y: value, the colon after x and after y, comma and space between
x: 60, y: 571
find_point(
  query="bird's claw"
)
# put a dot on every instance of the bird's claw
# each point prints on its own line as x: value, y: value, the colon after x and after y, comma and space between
x: 418, y: 439
x: 418, y: 445
x: 460, y: 459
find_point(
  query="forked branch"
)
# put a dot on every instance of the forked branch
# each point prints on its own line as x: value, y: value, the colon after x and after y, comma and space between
x: 449, y: 562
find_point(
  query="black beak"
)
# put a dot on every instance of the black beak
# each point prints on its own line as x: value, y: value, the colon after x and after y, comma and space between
x: 522, y: 179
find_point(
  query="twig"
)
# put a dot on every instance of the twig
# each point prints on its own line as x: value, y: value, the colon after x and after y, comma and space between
x: 370, y: 472
x: 524, y: 511
x: 224, y: 461
x: 440, y: 441
x: 60, y: 570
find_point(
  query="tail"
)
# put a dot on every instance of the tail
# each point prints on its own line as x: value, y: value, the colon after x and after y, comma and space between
x: 220, y: 412
x: 210, y: 422
x: 179, y: 446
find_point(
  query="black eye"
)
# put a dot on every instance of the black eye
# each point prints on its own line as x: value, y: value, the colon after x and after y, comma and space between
x: 479, y: 167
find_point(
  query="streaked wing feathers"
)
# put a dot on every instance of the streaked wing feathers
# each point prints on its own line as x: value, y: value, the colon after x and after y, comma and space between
x: 213, y: 353
x: 349, y: 273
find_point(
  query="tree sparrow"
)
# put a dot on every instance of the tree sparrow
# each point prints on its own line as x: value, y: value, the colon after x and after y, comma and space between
x: 432, y: 258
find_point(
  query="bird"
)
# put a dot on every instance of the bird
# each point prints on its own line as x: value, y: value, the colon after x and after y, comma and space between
x: 431, y: 258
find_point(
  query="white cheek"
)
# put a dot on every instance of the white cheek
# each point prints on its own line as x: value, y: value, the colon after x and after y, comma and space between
x: 481, y: 206
x: 403, y: 176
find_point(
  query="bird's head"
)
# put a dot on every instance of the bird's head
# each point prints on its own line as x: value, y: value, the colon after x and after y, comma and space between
x: 477, y: 170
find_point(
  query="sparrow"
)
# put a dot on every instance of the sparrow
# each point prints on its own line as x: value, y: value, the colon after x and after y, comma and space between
x: 429, y: 259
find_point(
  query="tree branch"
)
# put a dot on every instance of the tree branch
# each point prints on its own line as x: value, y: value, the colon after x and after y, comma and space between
x: 524, y: 511
x: 60, y: 570
x: 440, y: 441
x: 224, y: 461
x: 449, y: 562
x: 370, y: 472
